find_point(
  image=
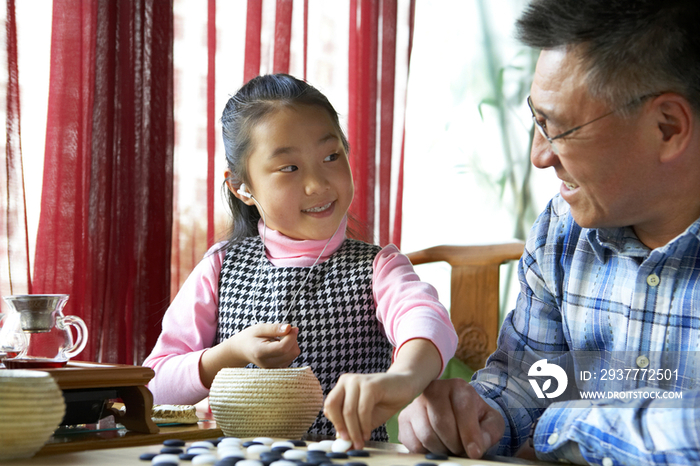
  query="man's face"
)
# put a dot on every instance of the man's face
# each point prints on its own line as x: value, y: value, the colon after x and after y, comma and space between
x: 608, y: 167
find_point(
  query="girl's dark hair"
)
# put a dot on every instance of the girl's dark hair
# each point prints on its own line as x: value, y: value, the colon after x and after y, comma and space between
x: 252, y: 103
x: 628, y: 48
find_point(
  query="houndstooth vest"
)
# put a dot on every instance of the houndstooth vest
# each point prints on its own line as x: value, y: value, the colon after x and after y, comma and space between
x: 334, y: 310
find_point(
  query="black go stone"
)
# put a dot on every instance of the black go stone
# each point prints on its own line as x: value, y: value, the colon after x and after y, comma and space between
x: 297, y: 443
x: 268, y: 460
x: 425, y: 464
x: 147, y: 456
x: 316, y: 460
x: 171, y: 450
x: 337, y: 455
x: 174, y: 442
x: 281, y: 448
x: 250, y: 442
x: 355, y: 463
x: 229, y: 461
x: 187, y: 456
x: 436, y: 456
x: 358, y: 453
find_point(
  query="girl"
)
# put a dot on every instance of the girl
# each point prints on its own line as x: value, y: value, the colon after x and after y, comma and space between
x: 288, y: 288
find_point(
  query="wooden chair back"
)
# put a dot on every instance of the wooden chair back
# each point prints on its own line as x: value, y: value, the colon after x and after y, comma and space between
x: 474, y: 293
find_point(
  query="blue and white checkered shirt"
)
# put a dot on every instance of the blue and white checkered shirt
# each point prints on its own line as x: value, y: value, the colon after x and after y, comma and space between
x: 622, y: 320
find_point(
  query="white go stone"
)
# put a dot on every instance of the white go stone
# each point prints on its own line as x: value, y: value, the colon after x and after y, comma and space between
x: 324, y: 445
x: 294, y: 455
x: 165, y: 458
x: 315, y: 447
x: 341, y: 446
x: 282, y: 444
x: 204, y: 459
x: 257, y: 449
x: 199, y: 450
x: 281, y: 463
x: 264, y: 440
x: 203, y: 444
x: 230, y: 452
x: 230, y: 441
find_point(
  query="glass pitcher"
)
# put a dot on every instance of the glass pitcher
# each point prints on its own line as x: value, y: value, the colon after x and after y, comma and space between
x: 37, y: 333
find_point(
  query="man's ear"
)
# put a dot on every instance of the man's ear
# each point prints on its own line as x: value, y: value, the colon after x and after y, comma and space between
x: 675, y: 119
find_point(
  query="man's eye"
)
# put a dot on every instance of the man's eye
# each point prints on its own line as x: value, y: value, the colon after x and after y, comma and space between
x: 289, y: 168
x: 332, y: 158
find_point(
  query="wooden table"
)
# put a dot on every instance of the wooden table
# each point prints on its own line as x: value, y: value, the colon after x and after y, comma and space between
x: 112, y: 444
x: 382, y: 454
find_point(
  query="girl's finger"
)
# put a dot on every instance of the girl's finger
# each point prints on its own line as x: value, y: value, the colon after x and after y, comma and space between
x: 365, y: 411
x: 350, y: 410
x: 333, y: 408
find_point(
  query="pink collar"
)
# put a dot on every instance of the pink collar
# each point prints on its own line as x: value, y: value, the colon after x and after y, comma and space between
x: 284, y: 251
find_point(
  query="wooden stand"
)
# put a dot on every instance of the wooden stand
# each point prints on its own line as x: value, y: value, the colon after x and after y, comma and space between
x: 129, y: 382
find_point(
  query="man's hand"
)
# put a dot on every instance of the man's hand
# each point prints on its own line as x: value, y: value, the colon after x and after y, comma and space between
x: 450, y: 417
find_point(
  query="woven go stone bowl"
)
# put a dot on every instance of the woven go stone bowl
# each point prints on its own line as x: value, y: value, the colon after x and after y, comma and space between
x: 265, y: 402
x: 31, y: 408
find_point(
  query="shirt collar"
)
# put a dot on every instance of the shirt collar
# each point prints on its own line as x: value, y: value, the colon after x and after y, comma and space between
x: 284, y: 251
x: 624, y: 241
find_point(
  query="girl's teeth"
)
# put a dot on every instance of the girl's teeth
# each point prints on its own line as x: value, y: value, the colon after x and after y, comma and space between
x: 570, y: 185
x: 319, y: 209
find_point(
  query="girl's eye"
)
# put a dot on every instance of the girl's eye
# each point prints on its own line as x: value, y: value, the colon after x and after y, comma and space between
x: 289, y: 168
x: 332, y: 158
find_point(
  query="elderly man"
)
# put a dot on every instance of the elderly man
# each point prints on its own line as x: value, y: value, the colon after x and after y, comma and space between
x: 609, y: 306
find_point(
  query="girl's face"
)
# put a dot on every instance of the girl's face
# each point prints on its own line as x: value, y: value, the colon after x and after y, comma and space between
x: 299, y: 172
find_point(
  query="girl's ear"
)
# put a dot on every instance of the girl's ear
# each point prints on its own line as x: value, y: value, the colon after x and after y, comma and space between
x: 234, y: 187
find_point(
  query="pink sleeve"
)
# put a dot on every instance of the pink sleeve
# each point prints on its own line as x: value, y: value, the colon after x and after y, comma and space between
x: 409, y: 308
x: 189, y: 328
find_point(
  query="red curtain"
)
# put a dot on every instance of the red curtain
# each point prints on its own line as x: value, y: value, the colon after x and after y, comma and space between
x: 106, y: 215
x: 13, y: 221
x: 107, y: 202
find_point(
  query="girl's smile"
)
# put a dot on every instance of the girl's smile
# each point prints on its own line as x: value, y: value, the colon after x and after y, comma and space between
x: 299, y: 173
x: 321, y: 211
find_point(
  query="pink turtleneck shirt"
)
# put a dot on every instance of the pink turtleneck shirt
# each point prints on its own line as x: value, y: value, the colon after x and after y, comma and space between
x: 406, y: 307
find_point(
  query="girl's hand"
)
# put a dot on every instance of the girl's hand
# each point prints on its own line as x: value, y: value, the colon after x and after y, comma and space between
x: 265, y: 345
x: 361, y: 402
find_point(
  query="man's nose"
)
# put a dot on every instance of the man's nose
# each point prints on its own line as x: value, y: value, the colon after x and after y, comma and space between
x: 542, y: 153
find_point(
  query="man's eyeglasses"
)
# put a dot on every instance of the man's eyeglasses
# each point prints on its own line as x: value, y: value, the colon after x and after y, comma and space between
x: 543, y: 130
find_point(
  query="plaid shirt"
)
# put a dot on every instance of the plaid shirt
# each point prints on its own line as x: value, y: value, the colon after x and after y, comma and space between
x: 601, y: 292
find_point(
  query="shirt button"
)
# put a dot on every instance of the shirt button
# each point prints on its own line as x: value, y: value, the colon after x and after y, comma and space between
x: 607, y: 462
x: 553, y: 438
x: 653, y: 280
x: 642, y: 361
